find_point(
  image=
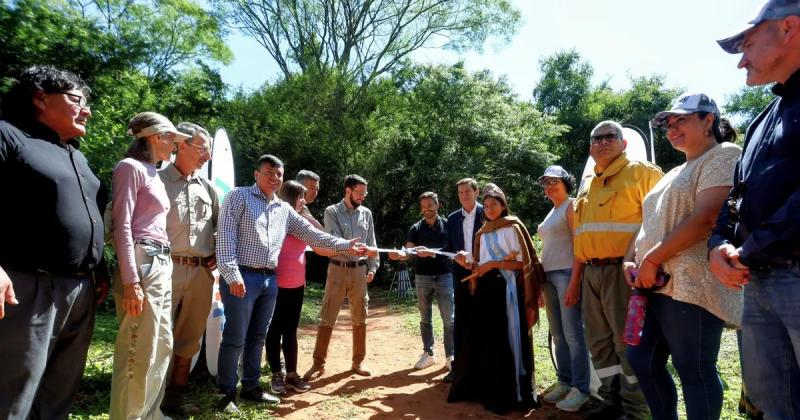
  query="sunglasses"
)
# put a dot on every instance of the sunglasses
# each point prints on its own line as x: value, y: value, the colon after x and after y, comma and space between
x: 603, y: 138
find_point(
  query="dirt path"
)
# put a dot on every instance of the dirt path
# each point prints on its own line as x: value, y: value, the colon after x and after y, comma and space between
x: 395, y: 390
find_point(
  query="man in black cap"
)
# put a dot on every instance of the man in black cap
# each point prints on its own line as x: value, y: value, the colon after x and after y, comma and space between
x: 52, y: 243
x: 756, y: 241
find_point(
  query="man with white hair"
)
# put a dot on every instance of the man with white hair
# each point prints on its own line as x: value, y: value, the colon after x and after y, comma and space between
x: 608, y: 214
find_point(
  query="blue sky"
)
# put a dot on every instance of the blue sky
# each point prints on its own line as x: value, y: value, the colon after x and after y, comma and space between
x: 620, y: 38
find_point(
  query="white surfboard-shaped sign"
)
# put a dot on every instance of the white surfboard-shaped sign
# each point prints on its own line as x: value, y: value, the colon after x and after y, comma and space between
x: 220, y: 171
x: 636, y: 150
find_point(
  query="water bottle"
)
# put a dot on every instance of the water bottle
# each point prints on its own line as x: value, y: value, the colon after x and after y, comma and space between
x: 637, y: 304
x: 634, y: 322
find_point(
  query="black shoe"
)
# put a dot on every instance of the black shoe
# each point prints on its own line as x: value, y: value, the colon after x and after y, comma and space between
x: 227, y: 404
x: 449, y: 377
x: 258, y: 394
x: 603, y: 412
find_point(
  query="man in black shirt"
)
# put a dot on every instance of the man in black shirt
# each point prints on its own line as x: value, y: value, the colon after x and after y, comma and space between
x: 433, y: 276
x: 52, y: 241
x: 755, y: 244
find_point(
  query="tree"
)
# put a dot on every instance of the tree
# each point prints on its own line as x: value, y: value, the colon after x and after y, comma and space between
x: 363, y: 39
x: 565, y: 92
x: 747, y: 103
x: 163, y: 34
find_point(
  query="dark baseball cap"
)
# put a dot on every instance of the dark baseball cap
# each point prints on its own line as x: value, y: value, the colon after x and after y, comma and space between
x: 771, y: 10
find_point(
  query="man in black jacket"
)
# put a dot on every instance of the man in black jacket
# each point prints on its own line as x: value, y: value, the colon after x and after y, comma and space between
x: 461, y: 227
x: 756, y: 241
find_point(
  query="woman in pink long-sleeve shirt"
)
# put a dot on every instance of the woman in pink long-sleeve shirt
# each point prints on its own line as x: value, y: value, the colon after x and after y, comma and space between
x: 142, y: 286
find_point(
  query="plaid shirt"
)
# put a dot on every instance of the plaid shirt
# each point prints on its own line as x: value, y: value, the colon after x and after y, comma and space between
x: 252, y: 228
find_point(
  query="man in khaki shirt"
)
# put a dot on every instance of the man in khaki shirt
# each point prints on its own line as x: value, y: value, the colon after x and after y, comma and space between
x: 191, y: 225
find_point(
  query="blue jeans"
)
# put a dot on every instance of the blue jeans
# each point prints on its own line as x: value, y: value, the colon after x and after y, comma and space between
x: 566, y: 327
x: 692, y: 335
x: 771, y: 342
x: 246, y: 322
x: 442, y: 286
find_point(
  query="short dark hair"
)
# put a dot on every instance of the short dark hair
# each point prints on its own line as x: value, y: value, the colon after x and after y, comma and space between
x: 17, y: 104
x: 353, y: 180
x: 429, y: 195
x: 269, y: 160
x: 305, y: 174
x: 472, y: 183
x: 290, y: 191
x: 191, y: 130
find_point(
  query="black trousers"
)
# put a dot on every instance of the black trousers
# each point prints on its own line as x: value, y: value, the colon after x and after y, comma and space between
x: 43, y: 345
x: 283, y: 329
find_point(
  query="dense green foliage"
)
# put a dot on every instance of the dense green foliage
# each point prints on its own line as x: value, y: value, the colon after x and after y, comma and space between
x: 747, y: 103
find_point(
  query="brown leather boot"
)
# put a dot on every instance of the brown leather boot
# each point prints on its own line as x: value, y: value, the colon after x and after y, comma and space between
x: 178, y: 382
x: 360, y: 350
x: 320, y: 353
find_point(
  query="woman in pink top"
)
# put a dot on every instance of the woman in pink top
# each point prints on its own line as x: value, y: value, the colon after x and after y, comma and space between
x: 142, y: 285
x: 291, y: 272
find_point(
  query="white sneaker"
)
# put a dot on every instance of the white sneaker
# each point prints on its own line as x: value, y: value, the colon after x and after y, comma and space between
x: 448, y: 363
x: 573, y: 401
x: 425, y: 360
x: 557, y: 393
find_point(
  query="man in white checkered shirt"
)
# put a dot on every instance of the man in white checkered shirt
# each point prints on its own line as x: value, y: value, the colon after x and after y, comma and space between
x: 253, y: 222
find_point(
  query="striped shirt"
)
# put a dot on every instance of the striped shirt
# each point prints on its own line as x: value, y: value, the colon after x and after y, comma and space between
x: 252, y: 229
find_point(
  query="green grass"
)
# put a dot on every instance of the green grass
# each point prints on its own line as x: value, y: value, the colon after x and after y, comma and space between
x: 93, y: 397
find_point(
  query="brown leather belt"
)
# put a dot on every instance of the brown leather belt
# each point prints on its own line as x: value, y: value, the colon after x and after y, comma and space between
x: 348, y: 264
x: 191, y: 261
x: 601, y: 262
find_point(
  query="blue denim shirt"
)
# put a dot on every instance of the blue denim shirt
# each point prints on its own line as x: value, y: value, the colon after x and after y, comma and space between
x: 768, y: 176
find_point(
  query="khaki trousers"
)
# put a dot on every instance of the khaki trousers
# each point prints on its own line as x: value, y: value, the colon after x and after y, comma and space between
x: 604, y: 296
x: 350, y: 282
x: 191, y: 303
x: 144, y: 343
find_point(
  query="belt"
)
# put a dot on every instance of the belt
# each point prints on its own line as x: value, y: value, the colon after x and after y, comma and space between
x: 158, y: 248
x: 191, y: 261
x: 600, y: 262
x: 262, y: 270
x: 349, y: 264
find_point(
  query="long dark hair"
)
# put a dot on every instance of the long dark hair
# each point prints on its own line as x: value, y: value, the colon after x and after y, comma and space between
x: 721, y: 128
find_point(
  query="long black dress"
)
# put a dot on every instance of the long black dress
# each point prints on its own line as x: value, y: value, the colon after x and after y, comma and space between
x: 484, y: 370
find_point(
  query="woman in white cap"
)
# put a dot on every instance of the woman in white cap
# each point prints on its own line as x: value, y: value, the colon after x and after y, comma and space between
x: 565, y: 322
x: 685, y: 317
x: 142, y: 284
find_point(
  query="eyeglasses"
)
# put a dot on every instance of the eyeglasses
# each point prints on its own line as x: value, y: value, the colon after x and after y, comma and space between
x: 362, y: 194
x: 76, y: 99
x: 201, y: 148
x: 601, y: 138
x: 548, y: 182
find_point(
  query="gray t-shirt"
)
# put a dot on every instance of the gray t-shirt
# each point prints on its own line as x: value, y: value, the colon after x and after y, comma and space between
x: 557, y: 251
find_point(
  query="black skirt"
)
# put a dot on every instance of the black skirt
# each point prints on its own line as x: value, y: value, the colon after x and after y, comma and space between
x: 484, y: 368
